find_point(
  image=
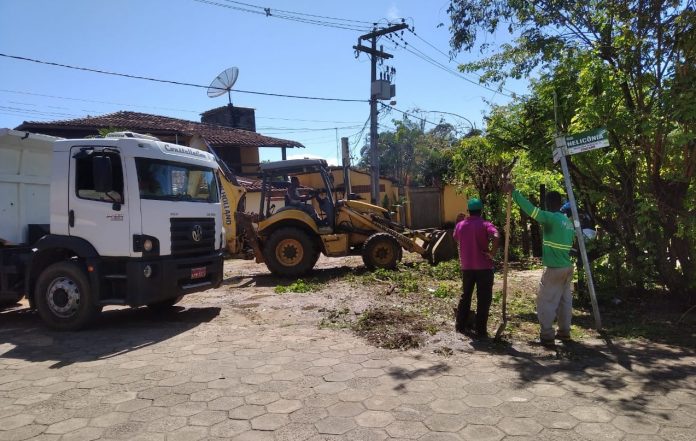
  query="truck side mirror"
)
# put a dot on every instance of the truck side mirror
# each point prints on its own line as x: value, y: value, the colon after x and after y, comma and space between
x: 102, y: 174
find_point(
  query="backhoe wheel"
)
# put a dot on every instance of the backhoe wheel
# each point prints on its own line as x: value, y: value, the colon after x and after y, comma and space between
x: 290, y: 252
x: 63, y: 297
x: 381, y: 251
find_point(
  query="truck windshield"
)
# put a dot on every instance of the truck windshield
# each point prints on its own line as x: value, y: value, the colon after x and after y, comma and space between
x: 177, y: 181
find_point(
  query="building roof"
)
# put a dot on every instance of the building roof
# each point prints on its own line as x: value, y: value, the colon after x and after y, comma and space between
x: 216, y: 135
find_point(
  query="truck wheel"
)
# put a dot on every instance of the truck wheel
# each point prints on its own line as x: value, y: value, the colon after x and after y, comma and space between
x: 290, y: 252
x: 381, y: 251
x: 63, y: 297
x: 164, y: 304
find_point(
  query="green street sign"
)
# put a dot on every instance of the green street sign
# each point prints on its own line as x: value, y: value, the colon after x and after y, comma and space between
x: 586, y: 141
x: 580, y: 142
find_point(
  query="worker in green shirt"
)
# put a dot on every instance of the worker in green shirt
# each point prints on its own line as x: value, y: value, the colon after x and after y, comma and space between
x: 555, y: 296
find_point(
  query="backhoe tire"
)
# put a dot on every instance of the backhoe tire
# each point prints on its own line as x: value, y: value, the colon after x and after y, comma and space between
x: 290, y: 252
x: 381, y: 251
x: 164, y: 305
x: 63, y: 297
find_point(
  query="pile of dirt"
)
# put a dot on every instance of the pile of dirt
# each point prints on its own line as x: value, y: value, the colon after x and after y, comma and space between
x: 392, y: 328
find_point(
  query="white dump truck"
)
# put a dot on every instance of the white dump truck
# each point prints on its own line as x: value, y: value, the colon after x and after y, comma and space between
x: 122, y: 220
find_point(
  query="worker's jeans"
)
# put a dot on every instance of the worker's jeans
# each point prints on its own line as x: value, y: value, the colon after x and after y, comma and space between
x: 483, y: 280
x: 555, y: 301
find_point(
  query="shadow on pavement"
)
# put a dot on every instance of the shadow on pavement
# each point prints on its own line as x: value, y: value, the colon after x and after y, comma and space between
x: 630, y: 376
x: 24, y: 336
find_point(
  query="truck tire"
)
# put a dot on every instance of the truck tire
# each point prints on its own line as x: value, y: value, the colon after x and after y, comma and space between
x: 164, y: 305
x: 63, y: 297
x: 381, y: 251
x: 290, y: 252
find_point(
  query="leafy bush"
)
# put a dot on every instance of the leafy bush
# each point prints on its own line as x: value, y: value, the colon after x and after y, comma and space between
x: 298, y: 286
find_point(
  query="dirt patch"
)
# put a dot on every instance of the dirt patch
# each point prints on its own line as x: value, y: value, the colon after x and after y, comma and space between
x: 393, y: 328
x: 414, y: 306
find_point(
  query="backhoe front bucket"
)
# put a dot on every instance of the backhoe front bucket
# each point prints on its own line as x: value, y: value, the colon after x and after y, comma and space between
x: 441, y: 247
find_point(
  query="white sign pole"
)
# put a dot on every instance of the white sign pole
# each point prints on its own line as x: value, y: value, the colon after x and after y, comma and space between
x: 581, y: 239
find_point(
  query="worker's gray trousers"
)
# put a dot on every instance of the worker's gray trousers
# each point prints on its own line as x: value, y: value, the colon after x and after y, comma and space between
x: 555, y: 301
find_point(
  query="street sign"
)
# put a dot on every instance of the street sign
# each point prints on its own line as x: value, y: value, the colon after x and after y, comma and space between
x: 580, y: 142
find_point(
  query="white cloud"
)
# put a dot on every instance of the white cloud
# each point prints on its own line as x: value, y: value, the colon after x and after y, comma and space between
x: 330, y: 161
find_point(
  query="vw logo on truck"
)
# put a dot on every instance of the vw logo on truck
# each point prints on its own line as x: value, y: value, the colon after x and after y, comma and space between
x: 197, y: 233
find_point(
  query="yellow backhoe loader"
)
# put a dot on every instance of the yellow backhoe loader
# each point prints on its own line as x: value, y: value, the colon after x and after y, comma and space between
x: 290, y: 239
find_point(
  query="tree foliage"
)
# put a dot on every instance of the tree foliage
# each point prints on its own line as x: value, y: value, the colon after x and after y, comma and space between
x: 628, y: 65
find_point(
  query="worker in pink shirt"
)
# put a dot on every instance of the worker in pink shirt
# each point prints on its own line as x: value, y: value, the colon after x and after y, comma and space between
x: 478, y: 242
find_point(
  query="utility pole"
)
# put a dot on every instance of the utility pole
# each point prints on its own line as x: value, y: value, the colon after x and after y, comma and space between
x: 376, y: 92
x: 346, y: 168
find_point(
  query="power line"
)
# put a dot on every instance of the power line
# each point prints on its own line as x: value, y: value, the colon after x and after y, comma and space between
x: 297, y: 17
x: 300, y: 13
x: 93, y: 101
x: 178, y: 83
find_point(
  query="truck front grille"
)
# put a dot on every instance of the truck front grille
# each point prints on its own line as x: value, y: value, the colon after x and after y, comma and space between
x: 192, y: 236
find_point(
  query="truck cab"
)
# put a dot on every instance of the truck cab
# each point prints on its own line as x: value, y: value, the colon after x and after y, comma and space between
x: 132, y: 221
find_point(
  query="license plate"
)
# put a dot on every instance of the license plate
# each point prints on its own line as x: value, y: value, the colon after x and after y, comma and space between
x: 198, y: 273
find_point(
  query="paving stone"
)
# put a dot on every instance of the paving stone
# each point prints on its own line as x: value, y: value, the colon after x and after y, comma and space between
x: 84, y: 434
x: 22, y: 433
x: 67, y: 425
x: 482, y: 400
x: 149, y: 414
x: 592, y: 414
x: 599, y: 431
x: 262, y: 398
x: 449, y: 406
x: 474, y: 432
x: 330, y: 388
x: 230, y: 428
x: 445, y: 423
x: 308, y: 415
x: 225, y: 403
x: 269, y: 421
x: 188, y: 434
x: 16, y: 421
x: 381, y: 403
x: 677, y: 434
x: 354, y: 395
x: 166, y: 424
x: 284, y: 406
x: 440, y: 436
x: 109, y: 419
x: 519, y: 426
x: 556, y: 420
x: 374, y: 418
x: 334, y: 425
x: 246, y: 412
x: 207, y: 418
x: 344, y: 409
x: 254, y: 435
x: 406, y: 429
x: 188, y: 408
x: 635, y: 425
x: 294, y: 432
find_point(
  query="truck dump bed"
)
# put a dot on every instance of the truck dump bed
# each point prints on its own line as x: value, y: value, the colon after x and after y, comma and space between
x: 25, y: 176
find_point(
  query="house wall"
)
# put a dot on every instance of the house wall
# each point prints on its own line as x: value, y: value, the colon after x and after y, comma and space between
x: 454, y: 201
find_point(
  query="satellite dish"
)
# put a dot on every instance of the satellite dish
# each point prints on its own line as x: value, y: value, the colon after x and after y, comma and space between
x: 223, y: 82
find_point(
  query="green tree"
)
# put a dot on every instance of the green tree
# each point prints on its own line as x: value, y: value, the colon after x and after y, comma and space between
x: 628, y: 65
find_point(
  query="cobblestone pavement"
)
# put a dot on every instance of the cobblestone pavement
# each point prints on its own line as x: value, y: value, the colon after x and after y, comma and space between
x: 189, y: 376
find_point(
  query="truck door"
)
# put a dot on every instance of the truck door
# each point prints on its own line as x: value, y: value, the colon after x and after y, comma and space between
x: 101, y: 218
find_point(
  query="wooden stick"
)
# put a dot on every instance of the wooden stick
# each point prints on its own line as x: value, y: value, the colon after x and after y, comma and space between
x: 508, y: 208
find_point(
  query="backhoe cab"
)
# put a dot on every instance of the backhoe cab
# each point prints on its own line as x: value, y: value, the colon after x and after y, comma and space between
x: 289, y: 239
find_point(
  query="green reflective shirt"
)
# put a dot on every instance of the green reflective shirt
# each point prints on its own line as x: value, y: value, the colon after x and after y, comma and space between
x: 558, y: 233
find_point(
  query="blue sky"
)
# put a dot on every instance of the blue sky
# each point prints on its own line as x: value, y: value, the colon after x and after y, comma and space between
x: 192, y: 41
